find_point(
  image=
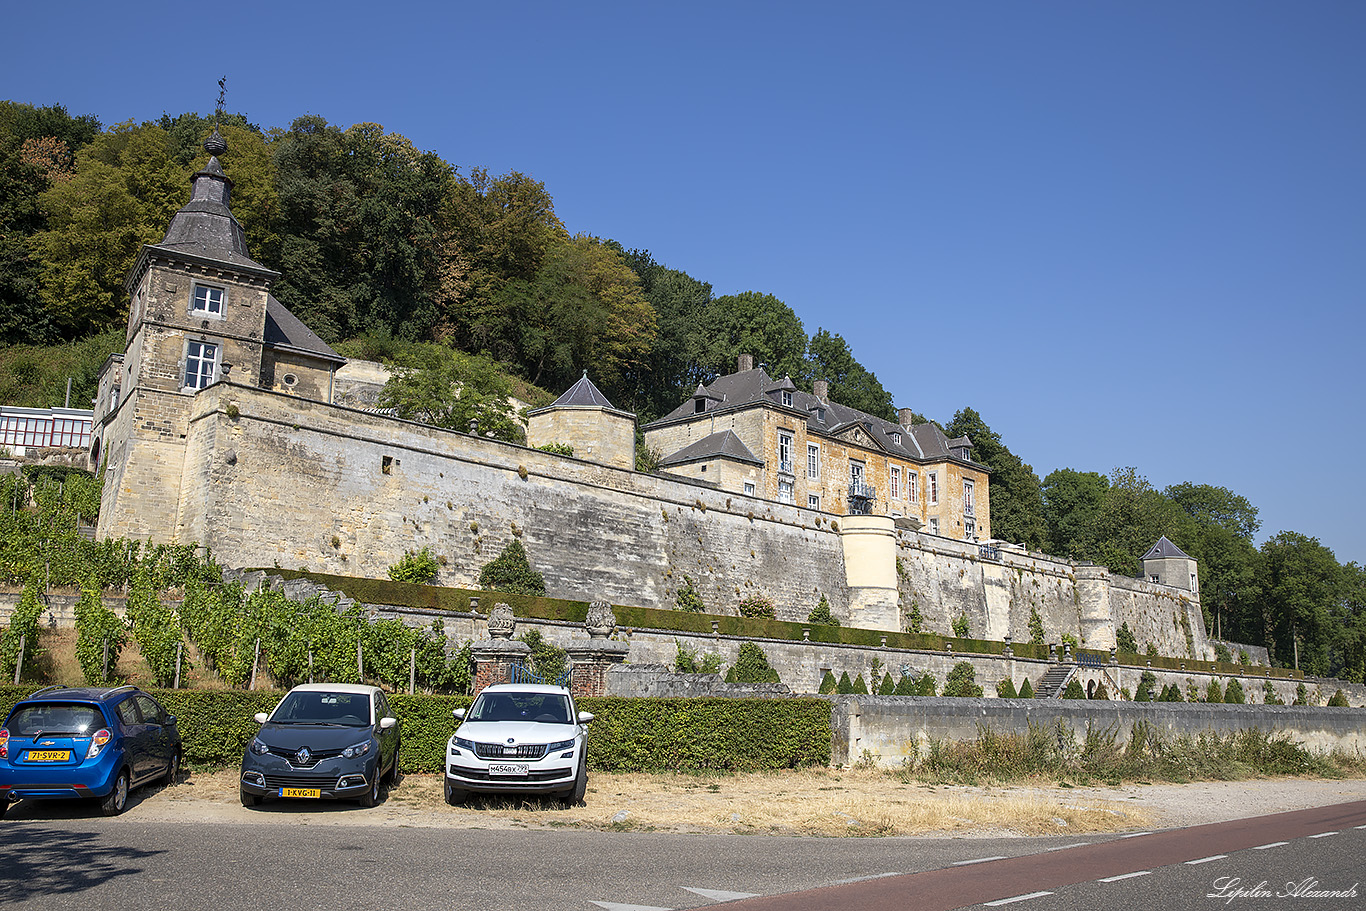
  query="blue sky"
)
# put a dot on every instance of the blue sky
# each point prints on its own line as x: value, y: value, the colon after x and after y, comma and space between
x: 1127, y: 234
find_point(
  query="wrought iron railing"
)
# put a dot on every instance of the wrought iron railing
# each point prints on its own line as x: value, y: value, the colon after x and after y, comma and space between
x: 989, y: 552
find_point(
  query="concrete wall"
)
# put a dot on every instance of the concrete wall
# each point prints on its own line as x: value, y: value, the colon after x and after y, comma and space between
x: 890, y: 729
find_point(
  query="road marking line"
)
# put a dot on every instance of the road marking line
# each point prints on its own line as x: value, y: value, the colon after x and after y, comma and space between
x: 613, y: 906
x: 1080, y: 844
x: 1359, y: 827
x: 1274, y: 844
x: 719, y: 896
x: 978, y: 860
x: 1135, y: 834
x: 1205, y: 860
x: 1323, y: 835
x: 1115, y: 879
x: 862, y: 879
x: 1017, y: 898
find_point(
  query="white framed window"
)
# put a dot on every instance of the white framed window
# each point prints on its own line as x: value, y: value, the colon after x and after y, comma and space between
x: 785, y: 492
x: 969, y: 529
x: 787, y: 398
x: 813, y: 461
x: 749, y: 488
x: 207, y: 300
x: 896, y: 482
x: 934, y: 526
x: 855, y: 474
x: 913, y: 487
x: 968, y: 507
x: 785, y: 452
x: 896, y: 438
x: 932, y: 485
x: 813, y: 501
x: 201, y: 364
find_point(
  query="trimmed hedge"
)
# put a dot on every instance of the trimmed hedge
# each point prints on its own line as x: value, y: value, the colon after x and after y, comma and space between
x: 627, y: 735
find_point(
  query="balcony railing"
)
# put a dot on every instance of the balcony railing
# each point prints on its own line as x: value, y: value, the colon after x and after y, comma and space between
x: 968, y: 511
x: 785, y: 466
x: 989, y: 552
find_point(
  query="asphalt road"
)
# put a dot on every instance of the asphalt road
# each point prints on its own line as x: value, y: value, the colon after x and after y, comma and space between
x: 71, y: 860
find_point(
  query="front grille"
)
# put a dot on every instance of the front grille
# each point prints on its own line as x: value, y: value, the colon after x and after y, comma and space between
x: 322, y: 782
x: 519, y: 751
x: 530, y: 777
x: 315, y: 756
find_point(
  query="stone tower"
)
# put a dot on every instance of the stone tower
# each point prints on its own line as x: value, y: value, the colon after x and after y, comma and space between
x: 584, y: 419
x: 1167, y: 564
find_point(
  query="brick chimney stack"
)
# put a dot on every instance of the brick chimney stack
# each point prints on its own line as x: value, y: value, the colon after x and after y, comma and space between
x: 822, y: 389
x: 905, y: 417
x: 746, y: 362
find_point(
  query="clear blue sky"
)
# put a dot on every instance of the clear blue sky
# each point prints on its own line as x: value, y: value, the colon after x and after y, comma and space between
x: 1127, y: 234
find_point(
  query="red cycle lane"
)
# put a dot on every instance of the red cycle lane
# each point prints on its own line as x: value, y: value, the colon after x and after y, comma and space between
x: 959, y: 887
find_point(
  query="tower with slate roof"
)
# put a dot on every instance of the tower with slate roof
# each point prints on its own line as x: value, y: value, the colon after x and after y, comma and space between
x: 1167, y: 564
x: 585, y: 420
x: 200, y: 313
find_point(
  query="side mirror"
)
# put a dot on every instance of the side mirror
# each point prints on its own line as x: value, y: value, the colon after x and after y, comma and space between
x: 261, y: 717
x: 459, y: 713
x: 170, y: 720
x: 585, y: 717
x: 387, y: 722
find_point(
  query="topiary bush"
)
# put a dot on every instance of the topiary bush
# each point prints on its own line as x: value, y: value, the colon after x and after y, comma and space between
x: 751, y: 666
x: 860, y: 687
x: 511, y: 572
x: 418, y: 567
x: 1146, y: 681
x: 962, y: 680
x: 1073, y: 690
x: 905, y: 686
x: 926, y: 685
x: 886, y: 687
x: 821, y: 614
x: 757, y: 606
x: 1026, y: 689
x: 1338, y: 700
x: 1269, y: 694
x: 1233, y: 693
x: 1213, y: 693
x: 845, y: 687
x: 829, y: 685
x: 1005, y: 688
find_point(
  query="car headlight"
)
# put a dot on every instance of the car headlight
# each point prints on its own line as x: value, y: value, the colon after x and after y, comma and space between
x: 560, y: 745
x: 356, y: 749
x: 460, y: 743
x: 259, y: 747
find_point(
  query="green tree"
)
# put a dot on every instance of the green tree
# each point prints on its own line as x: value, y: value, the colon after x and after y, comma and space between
x: 757, y: 324
x: 1301, y: 582
x: 1146, y: 681
x: 845, y: 687
x: 1005, y: 688
x: 419, y: 567
x: 829, y: 358
x: 886, y: 687
x: 829, y: 684
x: 962, y: 680
x: 548, y: 661
x: 1124, y: 638
x: 511, y: 572
x: 1233, y: 693
x: 1073, y: 690
x: 860, y: 687
x: 1017, y: 507
x: 1026, y: 689
x: 821, y: 614
x: 1072, y: 504
x: 1213, y: 692
x: 449, y: 389
x: 751, y: 666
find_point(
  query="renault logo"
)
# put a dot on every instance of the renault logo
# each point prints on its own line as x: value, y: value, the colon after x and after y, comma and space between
x: 303, y: 756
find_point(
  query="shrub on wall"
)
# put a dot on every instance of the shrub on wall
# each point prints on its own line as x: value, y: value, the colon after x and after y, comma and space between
x: 751, y: 666
x: 1269, y: 694
x: 1026, y: 689
x: 687, y: 661
x: 1124, y: 638
x: 961, y: 627
x: 1233, y: 693
x: 511, y: 572
x: 1005, y: 688
x: 563, y: 449
x: 688, y: 598
x: 905, y: 686
x: 1100, y: 692
x: 1301, y: 695
x: 821, y: 614
x: 915, y: 621
x: 1073, y: 690
x: 418, y: 567
x: 1035, y: 626
x: 757, y: 606
x: 1222, y: 653
x: 962, y: 680
x: 548, y: 661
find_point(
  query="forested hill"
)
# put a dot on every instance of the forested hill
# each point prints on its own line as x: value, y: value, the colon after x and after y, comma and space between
x: 382, y: 246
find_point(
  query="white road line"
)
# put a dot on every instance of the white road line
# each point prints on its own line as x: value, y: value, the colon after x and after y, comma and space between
x: 978, y: 860
x: 1205, y: 860
x: 1135, y: 834
x: 1323, y: 835
x: 1359, y: 827
x: 1080, y: 844
x: 1017, y: 898
x: 717, y: 895
x: 862, y: 879
x: 1115, y: 879
x: 1274, y: 844
x: 613, y: 906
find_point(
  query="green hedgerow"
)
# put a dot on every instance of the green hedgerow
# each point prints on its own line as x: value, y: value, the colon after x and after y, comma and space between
x: 751, y: 666
x: 511, y: 572
x: 821, y: 614
x: 418, y: 567
x: 962, y: 680
x: 688, y: 598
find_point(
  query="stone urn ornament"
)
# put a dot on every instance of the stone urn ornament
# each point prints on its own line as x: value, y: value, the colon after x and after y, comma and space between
x: 600, y: 621
x: 501, y: 622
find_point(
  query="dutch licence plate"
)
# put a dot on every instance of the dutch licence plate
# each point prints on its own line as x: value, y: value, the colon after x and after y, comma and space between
x: 508, y: 768
x: 49, y: 755
x: 300, y: 792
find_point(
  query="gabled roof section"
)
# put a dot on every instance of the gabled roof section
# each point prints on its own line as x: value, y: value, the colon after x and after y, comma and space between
x: 287, y: 332
x: 1165, y: 548
x: 721, y: 445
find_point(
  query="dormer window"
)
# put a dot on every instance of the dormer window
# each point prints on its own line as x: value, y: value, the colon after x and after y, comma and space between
x: 207, y: 301
x: 699, y: 405
x: 896, y: 438
x: 787, y: 398
x: 820, y: 415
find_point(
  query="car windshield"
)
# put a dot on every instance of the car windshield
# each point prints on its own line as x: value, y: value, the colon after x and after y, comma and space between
x: 551, y: 708
x: 55, y: 718
x: 351, y: 709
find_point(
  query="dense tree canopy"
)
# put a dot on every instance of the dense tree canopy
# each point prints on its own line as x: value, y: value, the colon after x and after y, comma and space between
x: 1017, y: 512
x: 829, y: 358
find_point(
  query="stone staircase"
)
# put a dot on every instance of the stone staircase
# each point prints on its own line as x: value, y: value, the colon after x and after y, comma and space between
x: 1051, y: 686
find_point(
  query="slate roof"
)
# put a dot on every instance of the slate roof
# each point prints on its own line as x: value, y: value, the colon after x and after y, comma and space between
x: 723, y: 444
x: 205, y: 227
x: 583, y: 394
x: 1164, y: 548
x: 285, y: 330
x: 921, y: 442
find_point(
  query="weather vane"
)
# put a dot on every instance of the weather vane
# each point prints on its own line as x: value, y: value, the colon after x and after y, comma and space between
x: 222, y: 94
x: 215, y: 144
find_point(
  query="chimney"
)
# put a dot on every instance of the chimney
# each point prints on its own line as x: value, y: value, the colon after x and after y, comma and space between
x: 746, y: 362
x: 905, y: 417
x: 822, y: 389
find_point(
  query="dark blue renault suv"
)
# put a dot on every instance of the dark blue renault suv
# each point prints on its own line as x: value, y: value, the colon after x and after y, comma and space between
x: 86, y: 742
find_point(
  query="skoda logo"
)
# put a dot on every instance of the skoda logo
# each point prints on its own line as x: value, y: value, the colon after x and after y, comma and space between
x: 512, y: 740
x: 303, y: 756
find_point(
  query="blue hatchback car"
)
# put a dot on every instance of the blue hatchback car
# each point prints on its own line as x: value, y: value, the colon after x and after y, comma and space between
x: 86, y: 742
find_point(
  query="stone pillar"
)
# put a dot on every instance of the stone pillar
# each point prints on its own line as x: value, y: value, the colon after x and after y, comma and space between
x: 591, y: 660
x: 498, y: 658
x: 869, y: 544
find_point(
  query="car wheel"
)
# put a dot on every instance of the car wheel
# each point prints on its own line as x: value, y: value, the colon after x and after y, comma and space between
x: 172, y: 769
x: 371, y: 797
x: 455, y: 796
x: 250, y: 800
x: 117, y: 800
x: 574, y: 796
